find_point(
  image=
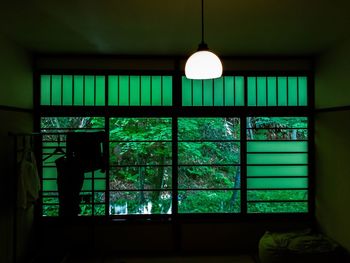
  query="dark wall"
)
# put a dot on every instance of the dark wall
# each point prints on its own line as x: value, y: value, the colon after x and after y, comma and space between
x: 333, y: 143
x: 15, y: 95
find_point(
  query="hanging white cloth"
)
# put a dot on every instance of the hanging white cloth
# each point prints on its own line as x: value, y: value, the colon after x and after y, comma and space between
x: 28, y: 180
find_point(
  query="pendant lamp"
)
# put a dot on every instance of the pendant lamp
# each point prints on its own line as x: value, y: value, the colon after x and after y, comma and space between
x: 203, y: 64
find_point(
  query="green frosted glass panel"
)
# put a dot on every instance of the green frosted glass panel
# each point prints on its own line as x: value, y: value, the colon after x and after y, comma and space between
x: 49, y: 185
x: 145, y: 91
x: 99, y: 174
x: 50, y: 200
x: 277, y: 207
x: 261, y: 91
x: 89, y: 91
x: 302, y: 86
x: 100, y: 185
x: 277, y: 146
x: 167, y: 91
x: 186, y: 92
x: 123, y: 90
x: 282, y: 91
x: 56, y: 89
x: 271, y: 91
x: 78, y: 90
x: 272, y: 158
x: 197, y: 93
x: 239, y: 91
x: 45, y: 90
x: 113, y: 90
x: 135, y: 86
x: 208, y: 85
x: 68, y: 90
x: 259, y: 183
x: 85, y: 210
x: 49, y: 172
x: 156, y: 91
x: 300, y: 170
x: 88, y: 175
x: 251, y: 91
x: 229, y: 91
x: 100, y: 90
x: 267, y: 195
x: 292, y: 91
x: 87, y: 185
x: 219, y: 92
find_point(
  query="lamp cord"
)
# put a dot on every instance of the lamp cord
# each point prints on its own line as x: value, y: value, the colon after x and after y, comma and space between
x: 202, y: 21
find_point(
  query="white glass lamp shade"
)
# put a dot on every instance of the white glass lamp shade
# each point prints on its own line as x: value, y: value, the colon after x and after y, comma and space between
x: 203, y: 64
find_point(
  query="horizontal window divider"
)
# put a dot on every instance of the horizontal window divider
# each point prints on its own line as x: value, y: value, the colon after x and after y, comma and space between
x: 277, y: 128
x: 215, y: 164
x: 142, y: 190
x: 199, y: 141
x: 44, y: 129
x: 140, y: 165
x: 140, y: 141
x: 275, y: 189
x: 277, y: 176
x: 274, y: 152
x: 276, y: 201
x: 278, y: 140
x: 208, y: 189
x: 292, y: 164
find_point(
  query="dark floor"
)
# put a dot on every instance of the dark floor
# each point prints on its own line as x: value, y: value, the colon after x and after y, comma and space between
x: 177, y: 259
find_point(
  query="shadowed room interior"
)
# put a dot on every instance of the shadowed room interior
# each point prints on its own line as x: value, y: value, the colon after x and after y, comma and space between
x: 49, y: 50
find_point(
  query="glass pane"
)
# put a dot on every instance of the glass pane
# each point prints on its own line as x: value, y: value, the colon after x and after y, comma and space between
x: 186, y: 92
x: 78, y: 90
x: 156, y: 91
x: 49, y: 185
x: 209, y: 152
x: 67, y: 90
x: 295, y: 158
x: 272, y: 91
x: 146, y: 91
x: 49, y: 172
x: 266, y: 195
x: 99, y: 210
x: 100, y: 91
x: 278, y: 134
x: 197, y: 93
x: 274, y: 146
x: 282, y: 91
x: 206, y: 129
x: 277, y: 183
x: 239, y: 91
x: 262, y: 91
x: 207, y: 201
x: 296, y: 170
x: 50, y: 210
x: 142, y: 202
x: 278, y: 207
x: 229, y: 91
x: 292, y: 91
x: 45, y: 92
x: 142, y: 178
x: 167, y: 91
x: 209, y: 177
x: 219, y: 92
x: 124, y: 91
x: 56, y: 90
x: 208, y: 92
x: 252, y: 91
x: 302, y: 85
x: 113, y: 90
x: 89, y: 90
x: 135, y: 86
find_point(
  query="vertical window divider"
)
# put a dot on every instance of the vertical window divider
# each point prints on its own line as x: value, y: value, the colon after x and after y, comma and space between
x: 84, y: 82
x: 243, y: 164
x: 107, y: 171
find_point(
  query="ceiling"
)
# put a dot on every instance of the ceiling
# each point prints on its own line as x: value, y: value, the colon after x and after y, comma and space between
x: 165, y: 27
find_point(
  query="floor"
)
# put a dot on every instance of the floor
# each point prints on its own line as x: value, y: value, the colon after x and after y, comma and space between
x: 188, y: 259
